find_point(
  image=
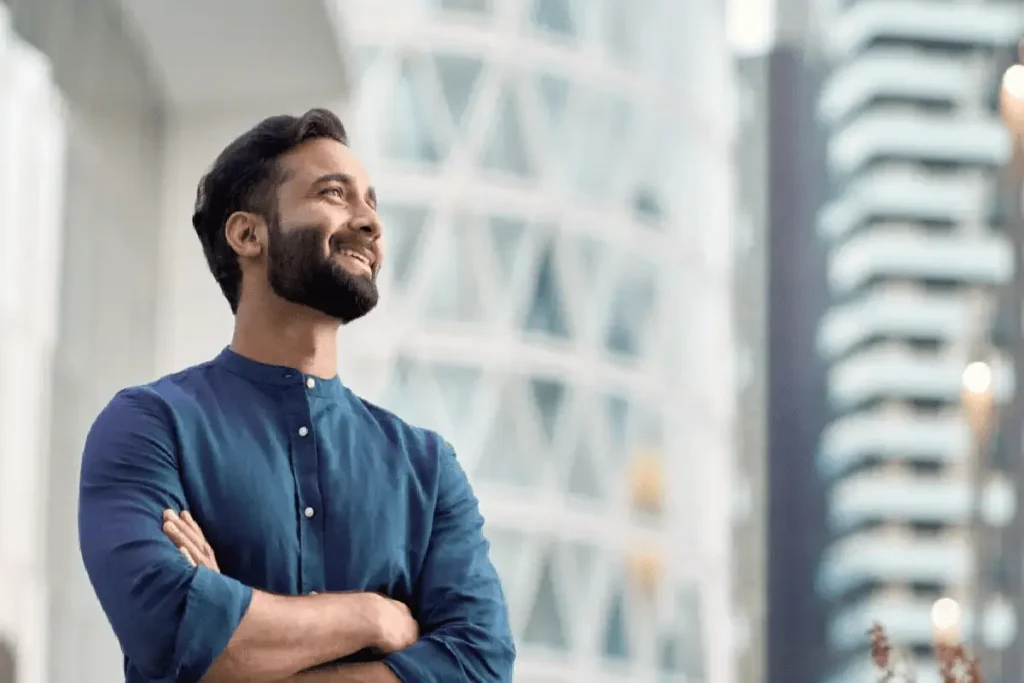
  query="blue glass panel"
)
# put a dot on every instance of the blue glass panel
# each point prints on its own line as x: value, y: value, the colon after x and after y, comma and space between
x: 403, y: 230
x: 547, y: 307
x: 506, y: 457
x: 690, y: 632
x: 632, y: 307
x: 616, y: 635
x: 554, y: 16
x: 554, y: 93
x: 584, y: 480
x: 545, y: 625
x: 410, y: 134
x: 617, y: 418
x: 457, y: 389
x: 458, y: 76
x: 505, y: 150
x: 506, y: 234
x: 454, y: 294
x: 469, y: 6
x: 548, y: 396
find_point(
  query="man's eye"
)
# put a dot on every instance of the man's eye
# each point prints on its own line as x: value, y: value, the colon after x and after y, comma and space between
x: 333, y: 191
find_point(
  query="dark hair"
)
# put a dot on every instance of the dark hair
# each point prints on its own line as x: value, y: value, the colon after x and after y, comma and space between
x: 245, y: 177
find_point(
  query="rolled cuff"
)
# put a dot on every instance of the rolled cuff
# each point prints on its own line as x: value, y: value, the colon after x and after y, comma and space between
x: 213, y: 610
x: 428, y: 659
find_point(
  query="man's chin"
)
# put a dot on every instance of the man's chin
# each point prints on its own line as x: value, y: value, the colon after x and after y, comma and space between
x: 340, y: 296
x: 351, y: 310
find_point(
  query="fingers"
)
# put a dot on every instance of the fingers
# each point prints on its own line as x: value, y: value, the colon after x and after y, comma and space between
x: 192, y: 524
x: 175, y: 530
x: 185, y: 533
x: 188, y: 556
x: 196, y: 533
x: 188, y: 528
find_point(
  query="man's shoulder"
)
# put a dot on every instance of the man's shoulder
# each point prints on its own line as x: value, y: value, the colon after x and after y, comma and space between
x: 164, y: 396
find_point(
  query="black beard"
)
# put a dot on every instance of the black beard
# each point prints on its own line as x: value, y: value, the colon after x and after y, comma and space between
x: 298, y: 271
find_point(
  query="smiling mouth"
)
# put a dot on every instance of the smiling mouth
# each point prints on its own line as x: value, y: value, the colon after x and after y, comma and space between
x: 358, y: 257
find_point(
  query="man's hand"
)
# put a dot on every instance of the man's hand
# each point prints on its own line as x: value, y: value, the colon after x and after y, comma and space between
x: 186, y: 535
x: 395, y: 627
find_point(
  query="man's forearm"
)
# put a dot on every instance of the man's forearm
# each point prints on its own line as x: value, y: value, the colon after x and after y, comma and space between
x: 281, y: 636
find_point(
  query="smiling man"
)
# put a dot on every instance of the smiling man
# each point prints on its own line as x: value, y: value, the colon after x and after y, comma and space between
x: 250, y: 519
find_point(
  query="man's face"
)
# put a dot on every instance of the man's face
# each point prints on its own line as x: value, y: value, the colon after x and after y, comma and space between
x: 324, y: 248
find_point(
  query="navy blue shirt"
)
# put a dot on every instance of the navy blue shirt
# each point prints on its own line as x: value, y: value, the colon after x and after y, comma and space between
x: 300, y: 486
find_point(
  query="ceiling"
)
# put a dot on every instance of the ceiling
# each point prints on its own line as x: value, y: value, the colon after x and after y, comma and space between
x: 212, y: 54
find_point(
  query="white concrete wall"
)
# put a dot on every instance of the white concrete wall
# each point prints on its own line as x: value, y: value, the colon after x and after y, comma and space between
x: 32, y: 147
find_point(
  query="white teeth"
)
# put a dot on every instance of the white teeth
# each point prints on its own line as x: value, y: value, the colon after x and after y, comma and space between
x: 357, y: 256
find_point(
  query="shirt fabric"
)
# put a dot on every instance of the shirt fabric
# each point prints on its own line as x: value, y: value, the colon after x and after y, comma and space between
x: 300, y: 486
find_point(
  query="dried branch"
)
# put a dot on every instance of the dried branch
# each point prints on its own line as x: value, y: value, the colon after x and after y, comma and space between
x: 955, y: 664
x: 885, y: 659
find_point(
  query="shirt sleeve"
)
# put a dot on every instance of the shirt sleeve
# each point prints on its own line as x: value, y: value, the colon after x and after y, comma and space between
x: 172, y: 620
x: 460, y: 605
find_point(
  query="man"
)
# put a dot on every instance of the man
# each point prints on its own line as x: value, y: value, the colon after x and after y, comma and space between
x: 334, y: 542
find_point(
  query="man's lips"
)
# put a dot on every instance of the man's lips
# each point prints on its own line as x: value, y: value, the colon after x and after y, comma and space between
x: 360, y: 257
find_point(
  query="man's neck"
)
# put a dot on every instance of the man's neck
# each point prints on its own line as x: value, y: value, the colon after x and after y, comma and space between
x: 281, y: 333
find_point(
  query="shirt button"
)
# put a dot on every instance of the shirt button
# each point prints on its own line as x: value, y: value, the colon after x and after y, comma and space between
x: 310, y: 383
x: 303, y: 431
x: 309, y: 512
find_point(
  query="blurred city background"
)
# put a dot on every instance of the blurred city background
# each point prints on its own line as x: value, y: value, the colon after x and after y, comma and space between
x: 718, y: 300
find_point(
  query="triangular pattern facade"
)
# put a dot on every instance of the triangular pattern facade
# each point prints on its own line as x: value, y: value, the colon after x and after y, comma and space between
x: 540, y: 252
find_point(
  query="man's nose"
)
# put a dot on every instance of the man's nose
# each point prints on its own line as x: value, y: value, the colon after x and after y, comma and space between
x: 368, y: 224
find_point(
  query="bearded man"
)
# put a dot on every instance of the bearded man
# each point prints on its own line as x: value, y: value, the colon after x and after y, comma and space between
x: 250, y: 519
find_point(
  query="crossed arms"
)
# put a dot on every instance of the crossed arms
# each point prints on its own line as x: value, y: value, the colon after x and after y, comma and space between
x: 182, y: 624
x: 361, y: 620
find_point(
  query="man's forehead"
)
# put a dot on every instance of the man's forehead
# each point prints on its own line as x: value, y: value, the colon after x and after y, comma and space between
x: 316, y: 158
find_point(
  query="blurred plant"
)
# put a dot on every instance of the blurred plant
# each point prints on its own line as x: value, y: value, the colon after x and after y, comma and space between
x: 893, y: 666
x: 954, y: 662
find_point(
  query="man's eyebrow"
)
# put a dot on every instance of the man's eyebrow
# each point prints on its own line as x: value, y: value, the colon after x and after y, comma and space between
x: 343, y: 178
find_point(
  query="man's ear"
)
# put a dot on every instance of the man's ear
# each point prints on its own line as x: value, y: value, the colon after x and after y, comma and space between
x: 246, y: 233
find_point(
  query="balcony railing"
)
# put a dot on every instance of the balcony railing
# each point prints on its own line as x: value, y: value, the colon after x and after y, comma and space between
x: 901, y: 73
x: 886, y: 132
x: 905, y: 252
x: 883, y: 556
x: 957, y: 23
x: 907, y: 619
x: 904, y: 373
x: 907, y: 194
x: 892, y: 437
x: 889, y: 313
x: 903, y: 498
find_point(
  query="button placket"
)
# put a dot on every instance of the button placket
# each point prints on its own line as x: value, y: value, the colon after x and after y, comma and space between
x: 309, y: 504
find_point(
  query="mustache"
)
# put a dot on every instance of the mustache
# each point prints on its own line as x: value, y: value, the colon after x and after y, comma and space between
x: 350, y: 240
